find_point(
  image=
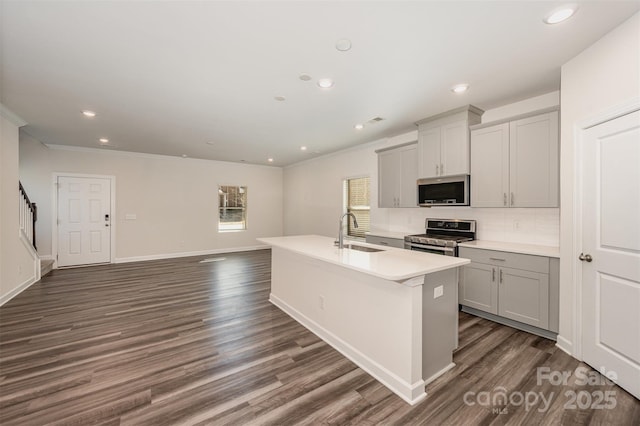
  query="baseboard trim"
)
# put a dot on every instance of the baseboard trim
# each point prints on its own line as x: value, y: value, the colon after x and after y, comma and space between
x: 511, y: 323
x: 439, y: 373
x: 188, y: 254
x: 412, y: 393
x: 565, y: 345
x: 16, y: 291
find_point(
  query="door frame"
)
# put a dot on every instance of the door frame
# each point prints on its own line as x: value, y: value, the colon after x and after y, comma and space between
x: 579, y: 130
x: 54, y: 213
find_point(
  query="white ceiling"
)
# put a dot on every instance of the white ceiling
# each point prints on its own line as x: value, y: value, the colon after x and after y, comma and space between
x: 199, y: 78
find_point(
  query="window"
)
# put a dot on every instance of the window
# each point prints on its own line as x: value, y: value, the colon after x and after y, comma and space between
x: 356, y: 201
x: 232, y: 206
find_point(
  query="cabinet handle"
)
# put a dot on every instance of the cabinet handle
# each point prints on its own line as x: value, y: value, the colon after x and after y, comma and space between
x: 383, y: 243
x: 498, y: 259
x: 437, y: 172
x: 504, y: 196
x: 441, y: 169
x: 493, y: 274
x: 500, y: 276
x: 512, y: 198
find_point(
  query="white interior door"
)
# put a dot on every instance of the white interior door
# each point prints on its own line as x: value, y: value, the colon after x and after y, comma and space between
x: 611, y: 249
x: 84, y: 220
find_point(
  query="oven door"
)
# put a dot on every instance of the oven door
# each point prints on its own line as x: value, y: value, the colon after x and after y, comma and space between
x: 447, y: 251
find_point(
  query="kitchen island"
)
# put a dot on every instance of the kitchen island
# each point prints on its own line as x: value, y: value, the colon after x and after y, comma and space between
x: 393, y: 312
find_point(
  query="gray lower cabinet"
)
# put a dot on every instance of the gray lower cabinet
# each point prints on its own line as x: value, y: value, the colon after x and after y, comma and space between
x: 478, y: 287
x: 524, y: 296
x: 385, y: 241
x: 518, y: 287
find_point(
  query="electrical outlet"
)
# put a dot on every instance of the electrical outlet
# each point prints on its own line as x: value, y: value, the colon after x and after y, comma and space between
x: 438, y: 292
x: 321, y: 300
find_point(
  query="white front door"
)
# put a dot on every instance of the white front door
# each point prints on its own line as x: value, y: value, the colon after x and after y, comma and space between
x: 611, y: 250
x: 84, y: 220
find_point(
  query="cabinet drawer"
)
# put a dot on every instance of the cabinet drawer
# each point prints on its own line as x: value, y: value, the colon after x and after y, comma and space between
x: 385, y: 241
x: 506, y: 259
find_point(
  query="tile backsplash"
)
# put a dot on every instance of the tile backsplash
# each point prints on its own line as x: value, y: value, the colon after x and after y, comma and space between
x: 539, y: 226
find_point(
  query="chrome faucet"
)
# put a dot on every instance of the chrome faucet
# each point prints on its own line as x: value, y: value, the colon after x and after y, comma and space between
x: 340, y: 242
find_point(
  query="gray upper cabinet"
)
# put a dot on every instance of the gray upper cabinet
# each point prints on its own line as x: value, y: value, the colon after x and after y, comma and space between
x: 515, y: 163
x: 443, y: 142
x: 397, y: 176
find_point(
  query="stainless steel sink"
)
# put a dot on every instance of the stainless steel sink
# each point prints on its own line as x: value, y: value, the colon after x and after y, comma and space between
x: 363, y: 248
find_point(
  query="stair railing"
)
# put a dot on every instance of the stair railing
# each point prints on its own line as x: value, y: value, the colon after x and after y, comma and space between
x: 28, y: 216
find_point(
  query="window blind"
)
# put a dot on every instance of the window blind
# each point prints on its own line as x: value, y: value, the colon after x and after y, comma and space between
x: 357, y: 201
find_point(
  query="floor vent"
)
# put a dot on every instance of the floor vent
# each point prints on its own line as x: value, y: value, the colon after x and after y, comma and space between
x: 212, y: 259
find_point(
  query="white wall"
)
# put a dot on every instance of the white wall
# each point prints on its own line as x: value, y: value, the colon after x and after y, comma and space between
x: 603, y: 76
x: 313, y: 203
x: 175, y: 199
x: 17, y: 268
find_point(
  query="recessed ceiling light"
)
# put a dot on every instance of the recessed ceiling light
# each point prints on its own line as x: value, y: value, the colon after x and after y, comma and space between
x: 304, y: 77
x: 103, y: 140
x: 343, y: 44
x: 303, y: 148
x: 325, y: 83
x: 211, y: 143
x: 560, y: 14
x: 279, y: 98
x: 359, y: 126
x: 460, y: 88
x: 184, y: 155
x: 270, y: 160
x: 89, y: 113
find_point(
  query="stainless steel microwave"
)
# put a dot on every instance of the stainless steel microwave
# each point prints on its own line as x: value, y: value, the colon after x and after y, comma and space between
x: 444, y: 191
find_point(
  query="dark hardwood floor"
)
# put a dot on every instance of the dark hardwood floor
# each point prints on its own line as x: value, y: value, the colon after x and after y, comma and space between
x: 182, y: 342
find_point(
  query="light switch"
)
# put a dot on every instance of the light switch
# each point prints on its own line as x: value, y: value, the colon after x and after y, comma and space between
x: 438, y: 292
x: 130, y: 216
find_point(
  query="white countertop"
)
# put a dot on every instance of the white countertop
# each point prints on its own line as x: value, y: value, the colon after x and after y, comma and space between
x: 532, y: 249
x: 393, y: 264
x: 388, y: 234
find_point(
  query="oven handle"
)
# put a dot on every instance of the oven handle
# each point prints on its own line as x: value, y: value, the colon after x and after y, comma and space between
x: 439, y: 248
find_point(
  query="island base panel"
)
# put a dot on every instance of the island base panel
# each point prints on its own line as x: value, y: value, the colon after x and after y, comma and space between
x: 376, y: 323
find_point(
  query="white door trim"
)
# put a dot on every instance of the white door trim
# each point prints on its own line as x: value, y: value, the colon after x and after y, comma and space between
x: 579, y: 130
x: 54, y: 212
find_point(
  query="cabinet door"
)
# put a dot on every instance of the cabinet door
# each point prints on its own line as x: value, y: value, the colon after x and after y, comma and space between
x: 454, y: 149
x: 524, y: 296
x: 409, y: 176
x: 389, y: 164
x: 429, y: 152
x: 478, y: 287
x: 534, y: 171
x: 490, y: 166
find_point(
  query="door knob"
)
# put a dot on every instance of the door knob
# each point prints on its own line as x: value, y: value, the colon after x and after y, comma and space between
x: 585, y: 257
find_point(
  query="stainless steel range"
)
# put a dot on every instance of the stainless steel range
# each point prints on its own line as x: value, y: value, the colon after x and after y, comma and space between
x: 442, y: 236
